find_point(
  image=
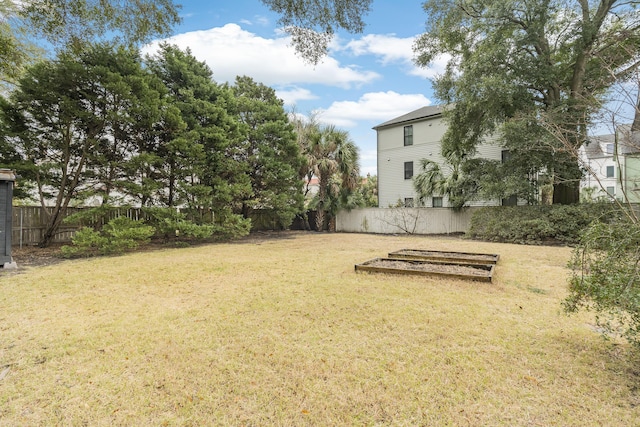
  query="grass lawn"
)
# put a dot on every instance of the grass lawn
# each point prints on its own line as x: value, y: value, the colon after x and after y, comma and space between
x: 283, y: 332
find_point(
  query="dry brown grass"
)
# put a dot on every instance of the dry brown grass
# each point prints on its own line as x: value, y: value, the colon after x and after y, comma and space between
x: 284, y: 332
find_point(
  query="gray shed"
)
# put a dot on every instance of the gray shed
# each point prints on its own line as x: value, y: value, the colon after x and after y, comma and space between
x: 7, y: 178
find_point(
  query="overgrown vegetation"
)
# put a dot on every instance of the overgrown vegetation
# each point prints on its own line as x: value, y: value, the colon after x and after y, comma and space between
x: 107, y: 230
x: 118, y: 235
x: 606, y: 277
x: 538, y: 224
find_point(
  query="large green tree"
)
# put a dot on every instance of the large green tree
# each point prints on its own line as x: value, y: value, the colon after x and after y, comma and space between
x: 71, y: 24
x: 202, y: 163
x: 513, y: 62
x: 269, y: 151
x: 68, y: 116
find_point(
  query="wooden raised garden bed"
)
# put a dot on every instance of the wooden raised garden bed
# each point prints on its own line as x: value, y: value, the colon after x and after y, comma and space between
x: 455, y: 257
x: 479, y: 272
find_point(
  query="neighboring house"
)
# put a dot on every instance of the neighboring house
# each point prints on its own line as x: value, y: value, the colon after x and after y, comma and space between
x: 613, y: 166
x: 310, y: 188
x: 402, y: 143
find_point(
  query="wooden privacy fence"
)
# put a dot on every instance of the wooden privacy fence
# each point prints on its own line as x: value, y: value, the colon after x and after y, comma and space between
x: 29, y: 223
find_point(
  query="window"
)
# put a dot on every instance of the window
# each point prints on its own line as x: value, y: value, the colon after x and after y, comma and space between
x: 408, y: 135
x: 408, y: 202
x: 506, y: 156
x: 611, y: 191
x: 408, y: 170
x: 609, y: 148
x: 510, y: 201
x: 436, y: 202
x: 611, y: 171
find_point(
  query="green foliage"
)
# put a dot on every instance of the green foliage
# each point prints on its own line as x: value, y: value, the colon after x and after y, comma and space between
x: 231, y: 227
x: 76, y: 22
x: 333, y: 158
x: 365, y: 194
x: 169, y: 222
x: 77, y: 119
x: 200, y: 165
x: 311, y: 24
x: 518, y: 69
x: 455, y: 184
x: 537, y: 224
x: 606, y: 277
x: 72, y: 24
x: 269, y: 152
x: 117, y: 236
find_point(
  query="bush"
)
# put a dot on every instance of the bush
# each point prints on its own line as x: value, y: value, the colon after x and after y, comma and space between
x: 117, y: 236
x: 170, y: 223
x: 606, y: 277
x: 232, y: 227
x: 537, y: 224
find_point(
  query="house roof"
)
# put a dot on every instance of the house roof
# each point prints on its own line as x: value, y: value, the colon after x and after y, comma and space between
x: 593, y: 147
x: 420, y: 113
x: 7, y: 175
x: 627, y: 143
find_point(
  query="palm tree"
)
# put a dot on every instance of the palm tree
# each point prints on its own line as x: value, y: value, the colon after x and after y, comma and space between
x: 456, y: 185
x: 332, y: 157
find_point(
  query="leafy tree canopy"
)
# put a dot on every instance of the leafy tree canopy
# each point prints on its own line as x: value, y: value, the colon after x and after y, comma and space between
x: 313, y: 23
x: 71, y: 24
x: 511, y: 62
x: 269, y: 151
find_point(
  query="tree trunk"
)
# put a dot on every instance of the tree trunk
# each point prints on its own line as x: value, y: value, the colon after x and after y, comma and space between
x: 566, y: 193
x: 52, y: 227
x: 320, y: 218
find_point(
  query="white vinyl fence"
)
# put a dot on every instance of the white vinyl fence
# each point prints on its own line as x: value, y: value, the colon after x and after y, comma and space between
x: 405, y: 220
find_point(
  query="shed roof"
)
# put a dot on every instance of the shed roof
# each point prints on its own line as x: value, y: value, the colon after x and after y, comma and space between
x: 7, y: 175
x: 420, y: 113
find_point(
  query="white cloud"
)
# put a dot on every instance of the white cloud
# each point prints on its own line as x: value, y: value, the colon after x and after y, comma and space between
x: 378, y: 106
x: 438, y: 66
x: 391, y: 49
x: 257, y: 20
x: 231, y: 51
x: 388, y: 47
x: 292, y: 95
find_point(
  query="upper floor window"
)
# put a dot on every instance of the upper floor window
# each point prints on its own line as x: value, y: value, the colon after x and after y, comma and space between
x: 408, y: 202
x: 436, y: 202
x: 408, y: 170
x: 609, y: 148
x: 408, y: 135
x: 611, y: 171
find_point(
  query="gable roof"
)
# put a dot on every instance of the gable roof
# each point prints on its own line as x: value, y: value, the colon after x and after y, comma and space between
x: 627, y: 143
x: 420, y: 113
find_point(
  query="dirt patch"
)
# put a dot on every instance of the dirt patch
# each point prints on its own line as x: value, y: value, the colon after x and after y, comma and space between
x: 441, y: 255
x: 429, y: 267
x: 33, y: 256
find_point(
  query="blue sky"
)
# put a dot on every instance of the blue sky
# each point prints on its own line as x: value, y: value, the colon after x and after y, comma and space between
x: 367, y: 78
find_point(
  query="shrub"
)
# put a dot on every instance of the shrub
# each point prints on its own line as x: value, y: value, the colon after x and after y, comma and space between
x: 117, y: 236
x: 170, y: 223
x: 537, y: 224
x: 606, y: 277
x: 232, y: 227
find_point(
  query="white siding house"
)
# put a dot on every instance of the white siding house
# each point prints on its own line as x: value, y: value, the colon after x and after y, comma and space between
x: 401, y: 144
x: 612, y: 166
